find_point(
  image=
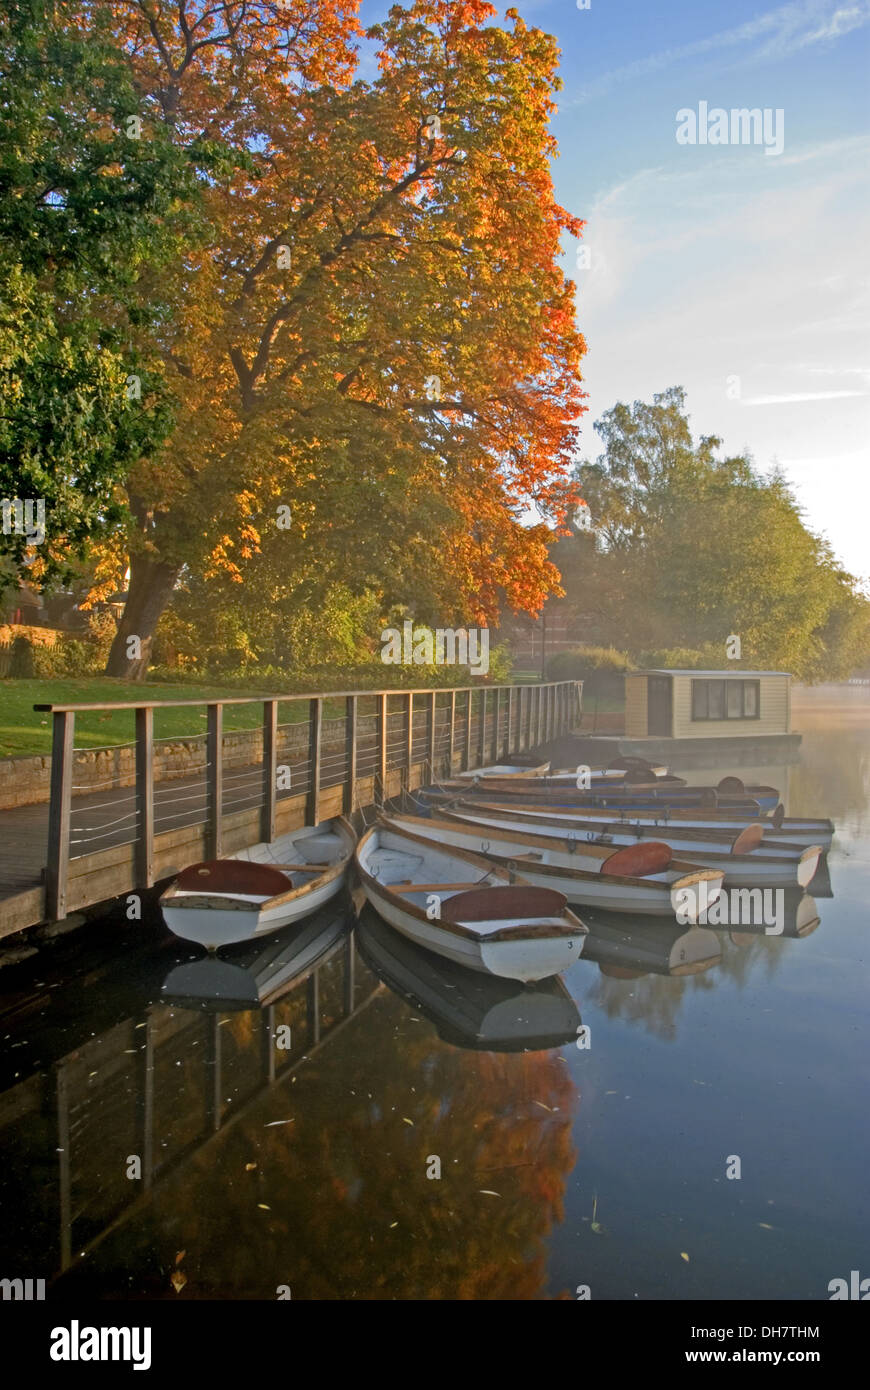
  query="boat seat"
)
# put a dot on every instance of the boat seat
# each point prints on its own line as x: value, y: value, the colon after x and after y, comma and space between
x: 233, y: 876
x: 519, y: 901
x: 320, y: 849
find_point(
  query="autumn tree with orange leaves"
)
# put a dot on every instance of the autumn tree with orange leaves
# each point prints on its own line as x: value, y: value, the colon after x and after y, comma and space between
x: 372, y: 351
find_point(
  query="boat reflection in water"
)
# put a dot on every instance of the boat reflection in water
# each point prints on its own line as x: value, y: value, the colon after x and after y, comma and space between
x: 626, y: 947
x: 469, y: 1009
x: 256, y: 975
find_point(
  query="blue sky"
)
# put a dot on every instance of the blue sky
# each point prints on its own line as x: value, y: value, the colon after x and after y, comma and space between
x: 739, y: 275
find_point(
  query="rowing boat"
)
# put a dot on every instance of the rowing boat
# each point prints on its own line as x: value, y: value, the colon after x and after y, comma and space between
x: 469, y: 1009
x: 793, y: 830
x: 261, y: 889
x: 730, y: 794
x: 745, y: 857
x: 637, y: 878
x: 506, y: 771
x: 464, y: 908
x: 257, y: 975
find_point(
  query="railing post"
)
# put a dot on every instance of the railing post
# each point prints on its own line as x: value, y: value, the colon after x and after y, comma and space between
x: 382, y: 745
x: 315, y: 728
x: 350, y: 737
x: 496, y: 721
x: 509, y: 732
x: 214, y: 776
x: 452, y: 733
x: 410, y: 743
x: 57, y: 868
x: 433, y: 700
x: 466, y: 759
x: 539, y: 713
x: 313, y: 1001
x: 268, y: 825
x: 481, y: 733
x: 145, y: 796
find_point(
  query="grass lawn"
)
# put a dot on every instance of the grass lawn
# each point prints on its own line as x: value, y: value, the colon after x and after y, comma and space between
x: 23, y: 730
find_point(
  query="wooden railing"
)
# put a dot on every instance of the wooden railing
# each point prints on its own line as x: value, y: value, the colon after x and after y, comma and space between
x: 509, y: 719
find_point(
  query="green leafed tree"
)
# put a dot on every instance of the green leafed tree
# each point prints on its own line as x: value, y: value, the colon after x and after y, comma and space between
x: 694, y: 548
x: 94, y: 199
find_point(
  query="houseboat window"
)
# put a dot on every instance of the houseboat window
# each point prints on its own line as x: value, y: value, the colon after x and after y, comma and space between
x: 725, y: 700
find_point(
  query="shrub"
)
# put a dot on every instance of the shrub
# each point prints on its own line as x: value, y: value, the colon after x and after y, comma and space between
x: 601, y: 669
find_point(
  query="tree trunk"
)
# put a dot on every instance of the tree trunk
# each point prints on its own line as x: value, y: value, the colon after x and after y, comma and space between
x: 151, y: 585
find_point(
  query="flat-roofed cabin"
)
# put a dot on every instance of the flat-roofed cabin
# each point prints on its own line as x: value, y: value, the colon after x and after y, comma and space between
x: 707, y: 704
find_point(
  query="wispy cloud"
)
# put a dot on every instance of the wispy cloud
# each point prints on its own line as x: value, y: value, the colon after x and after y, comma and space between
x: 769, y: 37
x: 798, y: 396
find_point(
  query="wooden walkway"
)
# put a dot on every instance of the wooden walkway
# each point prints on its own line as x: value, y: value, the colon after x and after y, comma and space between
x: 84, y: 849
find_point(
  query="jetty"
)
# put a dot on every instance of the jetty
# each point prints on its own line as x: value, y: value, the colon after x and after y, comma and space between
x: 92, y: 843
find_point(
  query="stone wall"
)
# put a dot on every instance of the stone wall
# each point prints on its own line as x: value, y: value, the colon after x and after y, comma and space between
x: 26, y: 781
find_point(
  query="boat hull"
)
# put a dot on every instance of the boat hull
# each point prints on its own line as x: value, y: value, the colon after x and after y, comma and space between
x: 795, y: 831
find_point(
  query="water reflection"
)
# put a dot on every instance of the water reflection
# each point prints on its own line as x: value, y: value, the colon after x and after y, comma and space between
x: 311, y: 1165
x: 468, y: 1008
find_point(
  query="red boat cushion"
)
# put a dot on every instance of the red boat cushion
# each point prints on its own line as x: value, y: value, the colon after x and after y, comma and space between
x: 634, y: 861
x: 748, y: 839
x: 233, y: 876
x: 488, y: 904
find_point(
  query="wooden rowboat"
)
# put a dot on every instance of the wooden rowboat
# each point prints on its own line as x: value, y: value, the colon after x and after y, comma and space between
x: 637, y: 878
x: 505, y: 771
x: 464, y: 908
x: 745, y: 857
x: 469, y: 1009
x: 669, y: 791
x: 793, y: 830
x: 260, y: 889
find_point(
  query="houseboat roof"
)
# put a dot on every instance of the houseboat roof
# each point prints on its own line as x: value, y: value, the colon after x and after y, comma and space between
x: 687, y: 671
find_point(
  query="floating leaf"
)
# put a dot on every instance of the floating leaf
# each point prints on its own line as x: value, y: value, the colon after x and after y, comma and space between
x: 263, y: 1207
x: 542, y: 1105
x: 180, y: 1256
x: 178, y: 1280
x: 249, y: 1167
x: 764, y: 1226
x: 684, y: 1256
x: 407, y: 1121
x: 392, y: 1224
x: 485, y: 1192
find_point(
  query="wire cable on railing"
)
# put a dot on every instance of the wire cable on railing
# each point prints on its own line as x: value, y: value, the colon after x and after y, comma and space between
x: 131, y: 796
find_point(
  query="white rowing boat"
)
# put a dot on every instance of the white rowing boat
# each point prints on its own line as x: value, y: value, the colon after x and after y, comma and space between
x: 464, y: 908
x: 745, y: 857
x: 637, y: 878
x: 793, y: 830
x: 498, y: 770
x: 261, y: 889
x: 469, y: 1009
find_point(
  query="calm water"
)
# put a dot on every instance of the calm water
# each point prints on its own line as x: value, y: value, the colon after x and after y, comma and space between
x: 313, y: 1166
